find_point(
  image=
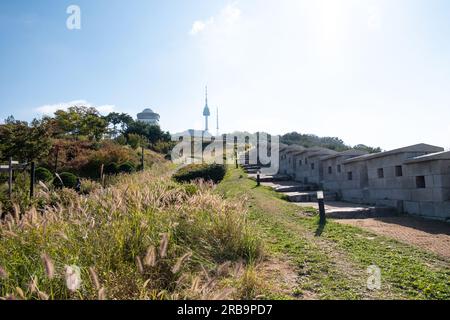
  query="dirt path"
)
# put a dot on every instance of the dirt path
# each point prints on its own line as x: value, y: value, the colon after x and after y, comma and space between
x: 333, y: 261
x: 330, y: 261
x: 433, y: 236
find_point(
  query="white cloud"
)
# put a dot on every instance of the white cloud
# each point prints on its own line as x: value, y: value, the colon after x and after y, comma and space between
x: 231, y: 13
x: 197, y: 27
x: 228, y: 16
x: 200, y: 26
x: 374, y: 21
x: 49, y: 109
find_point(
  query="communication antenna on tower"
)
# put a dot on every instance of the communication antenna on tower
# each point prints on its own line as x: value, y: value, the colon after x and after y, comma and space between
x: 217, y: 119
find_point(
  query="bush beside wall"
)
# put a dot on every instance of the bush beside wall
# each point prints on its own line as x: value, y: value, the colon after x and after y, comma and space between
x: 207, y: 172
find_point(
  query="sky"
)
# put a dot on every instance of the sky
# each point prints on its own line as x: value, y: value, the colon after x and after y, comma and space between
x: 367, y: 71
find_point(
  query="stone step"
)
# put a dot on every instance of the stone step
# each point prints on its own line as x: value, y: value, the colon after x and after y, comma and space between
x: 308, y: 196
x: 268, y: 178
x: 251, y: 166
x: 361, y: 213
x: 296, y: 188
x: 346, y: 210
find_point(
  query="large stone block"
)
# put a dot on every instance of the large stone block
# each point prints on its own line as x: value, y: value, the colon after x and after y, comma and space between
x: 427, y: 209
x: 441, y: 180
x: 400, y: 194
x: 442, y: 209
x: 422, y: 195
x: 379, y: 194
x: 391, y: 204
x: 411, y: 207
x: 445, y: 167
x: 408, y: 182
x: 429, y: 181
x: 445, y: 194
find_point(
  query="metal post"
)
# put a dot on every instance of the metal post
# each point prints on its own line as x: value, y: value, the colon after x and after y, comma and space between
x: 32, y: 179
x: 10, y: 177
x: 321, y: 202
x: 142, y: 159
x: 258, y: 178
x: 203, y: 134
x: 257, y: 149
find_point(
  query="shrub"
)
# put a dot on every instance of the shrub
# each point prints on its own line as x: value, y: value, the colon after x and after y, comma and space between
x: 111, y: 168
x: 69, y: 180
x: 91, y: 169
x: 120, y: 237
x: 88, y: 186
x: 135, y: 140
x: 190, y: 189
x: 127, y: 167
x: 121, y: 140
x: 207, y: 172
x: 43, y: 174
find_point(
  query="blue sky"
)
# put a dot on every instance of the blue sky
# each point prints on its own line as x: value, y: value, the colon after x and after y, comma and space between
x: 373, y: 72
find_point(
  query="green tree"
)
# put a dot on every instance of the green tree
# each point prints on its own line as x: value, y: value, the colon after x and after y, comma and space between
x: 136, y: 141
x: 24, y: 142
x: 81, y: 121
x: 115, y: 119
x: 363, y: 147
x: 151, y: 132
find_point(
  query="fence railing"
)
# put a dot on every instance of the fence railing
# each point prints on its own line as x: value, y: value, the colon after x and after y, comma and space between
x: 13, y: 166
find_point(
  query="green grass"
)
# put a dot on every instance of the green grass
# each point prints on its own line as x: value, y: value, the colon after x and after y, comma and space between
x: 115, y: 230
x: 225, y: 231
x: 331, y: 263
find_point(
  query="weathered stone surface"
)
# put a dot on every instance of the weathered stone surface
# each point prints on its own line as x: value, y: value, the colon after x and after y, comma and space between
x: 415, y: 179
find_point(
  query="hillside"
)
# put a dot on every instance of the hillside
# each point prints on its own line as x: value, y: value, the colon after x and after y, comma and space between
x: 333, y: 143
x: 144, y: 237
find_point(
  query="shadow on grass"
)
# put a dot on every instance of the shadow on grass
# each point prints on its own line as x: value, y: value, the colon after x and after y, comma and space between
x: 320, y: 228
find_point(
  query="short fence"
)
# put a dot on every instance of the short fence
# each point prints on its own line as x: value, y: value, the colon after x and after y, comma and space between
x: 14, y: 166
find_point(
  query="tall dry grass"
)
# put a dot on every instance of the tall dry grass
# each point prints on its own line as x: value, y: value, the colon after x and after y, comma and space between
x: 144, y: 237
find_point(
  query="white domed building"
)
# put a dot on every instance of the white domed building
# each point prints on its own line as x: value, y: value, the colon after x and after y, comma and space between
x: 148, y: 116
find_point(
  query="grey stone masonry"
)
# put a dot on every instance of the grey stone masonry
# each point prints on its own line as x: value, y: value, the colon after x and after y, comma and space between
x: 335, y: 174
x: 428, y: 179
x: 308, y: 167
x: 413, y: 179
x: 287, y: 165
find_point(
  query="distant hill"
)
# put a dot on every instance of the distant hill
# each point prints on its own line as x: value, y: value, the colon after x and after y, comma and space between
x: 309, y: 140
x: 333, y: 143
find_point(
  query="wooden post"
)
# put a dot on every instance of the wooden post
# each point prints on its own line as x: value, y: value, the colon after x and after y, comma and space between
x: 56, y: 159
x: 10, y: 178
x: 32, y: 179
x: 142, y: 159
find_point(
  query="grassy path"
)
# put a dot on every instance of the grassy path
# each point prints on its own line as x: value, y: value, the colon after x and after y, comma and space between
x: 331, y: 262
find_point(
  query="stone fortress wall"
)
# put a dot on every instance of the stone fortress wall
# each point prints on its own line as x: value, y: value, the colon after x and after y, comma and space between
x: 413, y: 179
